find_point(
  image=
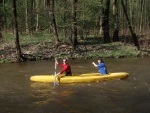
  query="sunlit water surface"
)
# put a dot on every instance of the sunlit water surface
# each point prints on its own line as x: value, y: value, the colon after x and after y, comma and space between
x: 132, y: 95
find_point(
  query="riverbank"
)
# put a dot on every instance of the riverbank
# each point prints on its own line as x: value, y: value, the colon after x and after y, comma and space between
x: 44, y: 50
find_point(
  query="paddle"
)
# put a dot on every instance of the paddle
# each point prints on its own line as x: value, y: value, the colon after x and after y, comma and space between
x: 55, y: 74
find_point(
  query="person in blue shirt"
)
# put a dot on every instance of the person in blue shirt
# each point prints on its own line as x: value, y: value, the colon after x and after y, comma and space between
x: 101, y: 66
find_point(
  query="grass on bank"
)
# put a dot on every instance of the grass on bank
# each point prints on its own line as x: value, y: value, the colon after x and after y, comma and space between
x: 94, y: 45
x: 26, y: 39
x: 116, y: 50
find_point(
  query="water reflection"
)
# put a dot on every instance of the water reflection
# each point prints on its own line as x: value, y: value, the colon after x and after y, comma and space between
x: 44, y: 93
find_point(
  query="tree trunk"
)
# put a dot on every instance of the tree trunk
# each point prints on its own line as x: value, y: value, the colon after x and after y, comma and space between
x: 135, y: 40
x: 100, y: 28
x: 32, y: 28
x: 100, y: 20
x: 16, y: 35
x: 1, y: 24
x: 37, y: 16
x: 131, y: 10
x: 26, y: 14
x: 4, y: 17
x: 64, y: 17
x: 51, y: 7
x: 74, y: 23
x: 142, y: 14
x: 116, y: 26
x: 105, y: 23
x: 148, y: 15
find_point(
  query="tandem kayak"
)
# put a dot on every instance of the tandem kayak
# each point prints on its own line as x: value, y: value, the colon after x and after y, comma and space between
x: 80, y: 78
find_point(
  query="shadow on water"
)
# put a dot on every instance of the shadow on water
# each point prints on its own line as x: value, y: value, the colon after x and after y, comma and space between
x: 131, y: 95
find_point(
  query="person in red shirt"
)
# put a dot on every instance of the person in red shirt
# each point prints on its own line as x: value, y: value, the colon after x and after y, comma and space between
x: 66, y: 68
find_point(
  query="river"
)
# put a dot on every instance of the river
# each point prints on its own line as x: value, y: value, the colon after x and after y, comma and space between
x: 132, y: 95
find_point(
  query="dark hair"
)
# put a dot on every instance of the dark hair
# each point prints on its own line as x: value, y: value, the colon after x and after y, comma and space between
x: 100, y: 58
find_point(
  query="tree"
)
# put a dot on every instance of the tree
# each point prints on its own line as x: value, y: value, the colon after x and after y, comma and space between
x: 16, y: 35
x: 37, y: 15
x: 4, y: 17
x: 87, y: 18
x: 32, y: 16
x: 135, y: 40
x: 26, y: 14
x: 116, y: 26
x: 105, y: 22
x: 51, y: 7
x: 74, y: 23
x: 142, y: 13
x: 64, y: 17
x: 100, y: 21
x: 1, y: 22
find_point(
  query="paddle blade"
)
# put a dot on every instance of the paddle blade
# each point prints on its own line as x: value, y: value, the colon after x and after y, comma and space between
x: 55, y: 84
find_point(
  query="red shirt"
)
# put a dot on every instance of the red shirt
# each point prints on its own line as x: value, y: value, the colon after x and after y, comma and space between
x: 66, y: 67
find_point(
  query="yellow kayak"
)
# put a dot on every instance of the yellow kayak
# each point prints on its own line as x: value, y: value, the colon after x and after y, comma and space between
x: 79, y: 78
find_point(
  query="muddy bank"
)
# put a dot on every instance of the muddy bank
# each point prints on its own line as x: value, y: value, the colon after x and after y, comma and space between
x: 46, y: 51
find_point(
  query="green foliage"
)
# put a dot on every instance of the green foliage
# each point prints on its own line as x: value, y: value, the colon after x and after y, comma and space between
x: 115, y: 50
x: 5, y: 60
x: 88, y: 17
x: 26, y: 39
x: 34, y: 39
x: 88, y: 14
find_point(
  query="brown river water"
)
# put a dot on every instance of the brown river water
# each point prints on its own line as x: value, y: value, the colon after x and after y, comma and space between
x: 132, y: 95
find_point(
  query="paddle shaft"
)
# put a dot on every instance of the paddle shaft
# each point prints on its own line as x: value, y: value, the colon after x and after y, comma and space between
x: 55, y: 75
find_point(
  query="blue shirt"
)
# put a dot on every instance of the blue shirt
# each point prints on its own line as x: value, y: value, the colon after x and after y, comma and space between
x: 102, y: 68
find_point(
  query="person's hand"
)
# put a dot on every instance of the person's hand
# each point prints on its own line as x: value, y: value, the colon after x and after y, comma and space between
x: 94, y: 64
x: 56, y: 61
x: 57, y: 74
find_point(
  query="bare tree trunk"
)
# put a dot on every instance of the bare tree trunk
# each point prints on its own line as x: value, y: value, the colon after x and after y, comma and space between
x: 74, y: 23
x: 148, y: 15
x: 1, y: 23
x: 1, y: 36
x: 51, y: 7
x: 131, y: 10
x: 136, y: 8
x: 16, y: 35
x: 100, y: 21
x: 142, y: 13
x: 101, y: 28
x: 116, y: 22
x: 4, y: 17
x: 123, y: 24
x: 105, y: 22
x: 135, y: 40
x: 64, y: 18
x: 32, y: 28
x: 26, y: 14
x: 44, y: 4
x: 37, y: 16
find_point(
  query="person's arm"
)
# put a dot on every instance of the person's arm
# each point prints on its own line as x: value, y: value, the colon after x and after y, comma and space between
x: 64, y: 69
x: 94, y: 64
x: 58, y: 74
x: 60, y: 65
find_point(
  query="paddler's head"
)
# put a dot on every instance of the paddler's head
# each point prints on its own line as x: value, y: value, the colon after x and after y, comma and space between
x: 100, y: 60
x: 64, y: 61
